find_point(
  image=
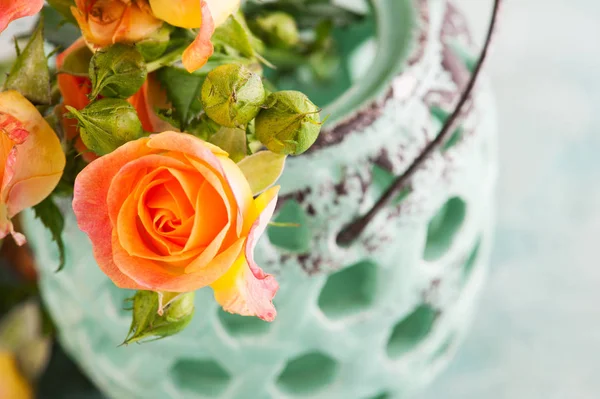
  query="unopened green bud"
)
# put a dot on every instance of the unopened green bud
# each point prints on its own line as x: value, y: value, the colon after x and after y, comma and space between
x: 289, y: 124
x: 107, y: 124
x: 279, y: 29
x: 232, y: 95
x: 157, y: 316
x: 117, y: 71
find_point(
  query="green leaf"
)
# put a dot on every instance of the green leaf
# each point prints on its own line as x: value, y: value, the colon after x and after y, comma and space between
x: 293, y: 239
x: 232, y: 141
x: 58, y: 29
x: 63, y: 7
x: 183, y: 92
x: 262, y: 170
x: 234, y: 34
x: 30, y: 74
x: 51, y: 216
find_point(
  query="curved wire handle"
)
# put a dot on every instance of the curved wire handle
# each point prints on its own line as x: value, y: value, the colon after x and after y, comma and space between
x: 353, y: 230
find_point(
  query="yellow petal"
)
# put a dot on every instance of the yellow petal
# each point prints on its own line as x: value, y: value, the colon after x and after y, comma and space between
x: 181, y: 13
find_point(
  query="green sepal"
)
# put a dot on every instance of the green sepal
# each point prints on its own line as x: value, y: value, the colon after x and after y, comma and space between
x: 262, y: 170
x: 30, y: 74
x: 159, y: 315
x: 232, y: 141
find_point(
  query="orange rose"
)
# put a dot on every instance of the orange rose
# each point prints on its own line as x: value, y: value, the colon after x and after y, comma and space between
x: 173, y: 213
x: 15, y: 9
x: 32, y: 156
x: 12, y: 383
x: 105, y: 22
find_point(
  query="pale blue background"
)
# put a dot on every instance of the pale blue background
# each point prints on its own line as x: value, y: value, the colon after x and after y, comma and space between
x: 537, y: 333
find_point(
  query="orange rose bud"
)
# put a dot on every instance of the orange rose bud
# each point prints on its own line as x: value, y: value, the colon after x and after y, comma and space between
x: 105, y: 22
x: 174, y: 213
x: 32, y: 156
x: 15, y: 9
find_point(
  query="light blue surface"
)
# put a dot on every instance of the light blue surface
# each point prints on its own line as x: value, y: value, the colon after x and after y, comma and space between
x: 537, y: 333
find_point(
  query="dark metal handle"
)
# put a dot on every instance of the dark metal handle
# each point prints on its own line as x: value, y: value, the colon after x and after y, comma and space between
x: 353, y: 230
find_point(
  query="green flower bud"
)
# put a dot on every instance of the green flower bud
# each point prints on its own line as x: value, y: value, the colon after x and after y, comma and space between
x: 117, y: 71
x: 107, y: 124
x: 278, y: 29
x: 289, y: 124
x: 232, y: 95
x: 153, y: 321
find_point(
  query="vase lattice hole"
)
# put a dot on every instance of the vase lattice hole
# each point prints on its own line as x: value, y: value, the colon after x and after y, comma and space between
x: 307, y: 374
x: 411, y: 331
x: 349, y: 291
x: 296, y: 235
x: 471, y: 260
x: 203, y: 377
x: 443, y: 228
x: 444, y: 349
x: 384, y: 395
x: 241, y: 326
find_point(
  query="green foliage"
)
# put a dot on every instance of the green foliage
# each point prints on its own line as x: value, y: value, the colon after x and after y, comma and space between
x: 234, y: 38
x: 52, y: 218
x: 183, y: 92
x: 63, y: 7
x: 29, y: 74
x: 60, y: 27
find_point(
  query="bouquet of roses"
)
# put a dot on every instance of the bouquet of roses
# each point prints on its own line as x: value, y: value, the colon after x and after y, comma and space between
x: 158, y: 122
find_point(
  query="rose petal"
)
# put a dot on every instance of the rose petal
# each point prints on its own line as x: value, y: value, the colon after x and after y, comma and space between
x: 159, y: 276
x: 197, y: 54
x: 182, y: 13
x: 245, y: 289
x: 15, y: 9
x: 39, y: 160
x: 91, y: 208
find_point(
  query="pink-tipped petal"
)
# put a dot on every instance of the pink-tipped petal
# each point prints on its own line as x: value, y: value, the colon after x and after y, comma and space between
x: 245, y: 289
x: 91, y: 209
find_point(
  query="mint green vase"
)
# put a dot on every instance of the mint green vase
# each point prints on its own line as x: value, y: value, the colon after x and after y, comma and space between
x: 378, y: 319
